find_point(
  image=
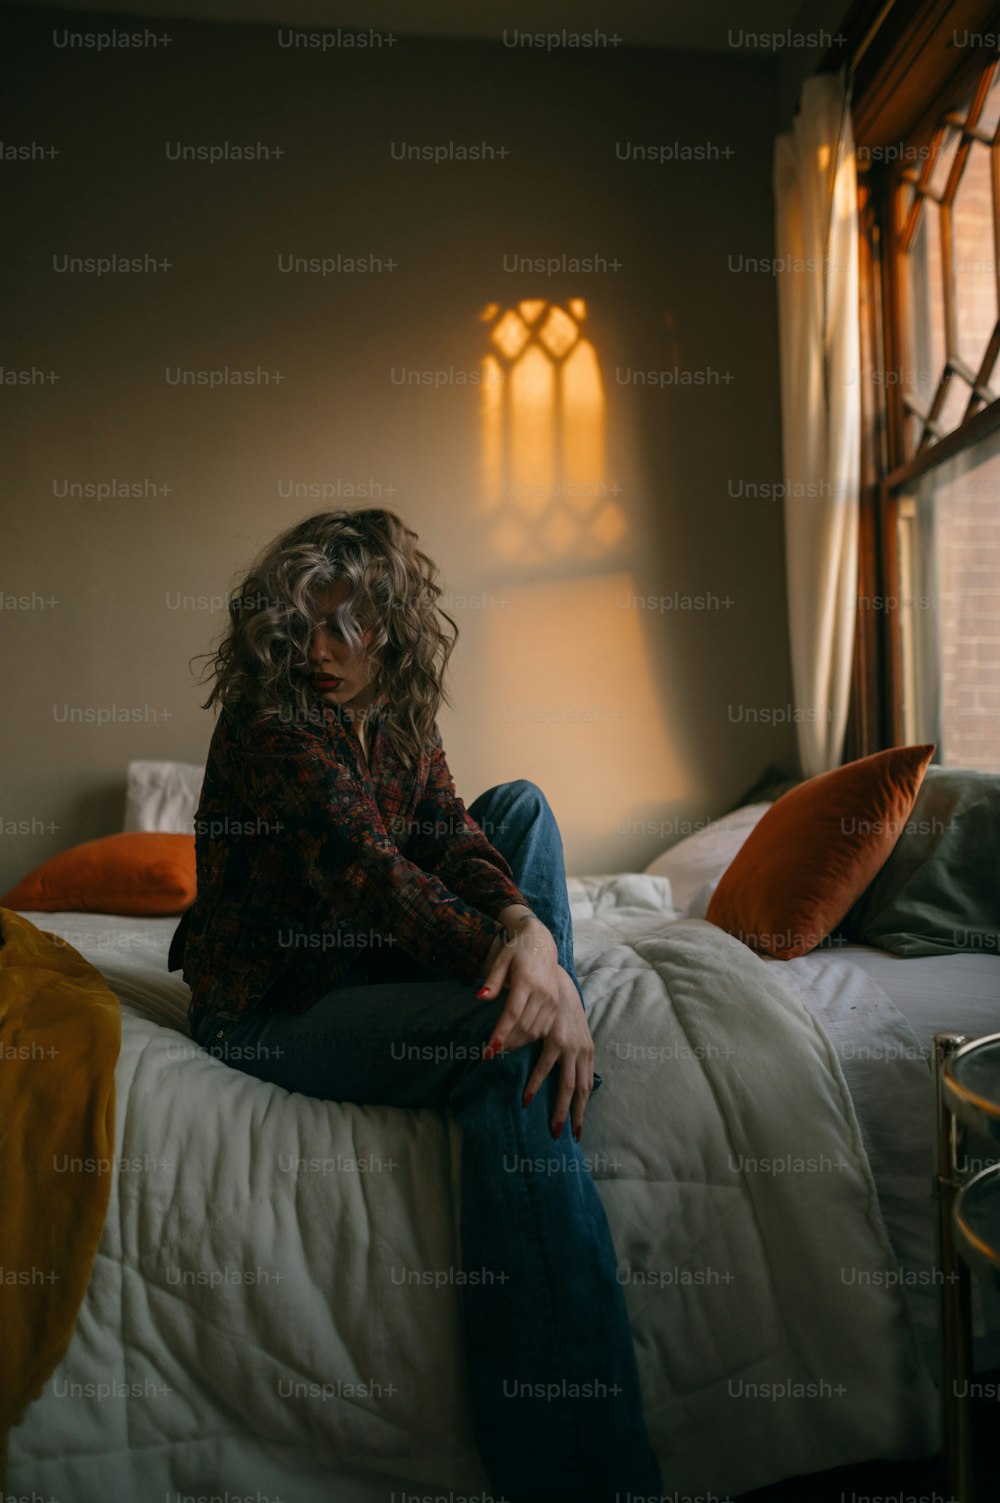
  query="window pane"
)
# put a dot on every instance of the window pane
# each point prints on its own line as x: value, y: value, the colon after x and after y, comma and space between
x: 990, y: 114
x: 975, y: 257
x: 944, y: 160
x: 924, y: 347
x: 956, y: 400
x: 949, y: 537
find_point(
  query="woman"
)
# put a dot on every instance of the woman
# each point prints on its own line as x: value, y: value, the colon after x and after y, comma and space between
x: 350, y: 907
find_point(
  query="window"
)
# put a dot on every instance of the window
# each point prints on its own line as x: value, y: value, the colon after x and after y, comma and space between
x: 949, y: 548
x: 946, y: 254
x: 933, y: 214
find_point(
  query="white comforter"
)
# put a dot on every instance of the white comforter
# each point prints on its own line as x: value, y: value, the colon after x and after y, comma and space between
x: 248, y: 1335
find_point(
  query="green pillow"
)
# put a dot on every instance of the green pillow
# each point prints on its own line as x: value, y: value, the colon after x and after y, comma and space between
x: 939, y: 891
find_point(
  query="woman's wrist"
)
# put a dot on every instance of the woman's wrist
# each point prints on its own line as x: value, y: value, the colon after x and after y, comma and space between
x: 523, y: 928
x: 514, y: 916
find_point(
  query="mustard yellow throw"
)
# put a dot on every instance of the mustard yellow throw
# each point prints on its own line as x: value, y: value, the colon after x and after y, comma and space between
x: 60, y: 1034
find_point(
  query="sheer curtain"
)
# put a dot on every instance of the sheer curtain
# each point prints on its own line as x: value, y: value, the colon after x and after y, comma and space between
x: 815, y: 187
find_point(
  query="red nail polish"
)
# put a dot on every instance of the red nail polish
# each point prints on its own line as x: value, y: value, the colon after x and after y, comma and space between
x: 491, y: 1051
x: 558, y: 1128
x: 483, y: 991
x: 576, y: 1133
x: 529, y: 1098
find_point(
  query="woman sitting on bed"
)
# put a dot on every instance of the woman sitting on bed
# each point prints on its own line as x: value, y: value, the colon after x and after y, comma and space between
x: 358, y: 935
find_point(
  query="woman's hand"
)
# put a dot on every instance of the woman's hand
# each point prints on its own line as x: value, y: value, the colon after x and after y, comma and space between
x: 528, y: 965
x: 542, y: 1003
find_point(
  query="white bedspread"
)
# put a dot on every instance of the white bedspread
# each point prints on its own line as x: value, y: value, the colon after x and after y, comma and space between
x: 243, y: 1313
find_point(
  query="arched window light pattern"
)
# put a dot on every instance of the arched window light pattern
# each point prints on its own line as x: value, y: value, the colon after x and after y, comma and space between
x: 543, y: 467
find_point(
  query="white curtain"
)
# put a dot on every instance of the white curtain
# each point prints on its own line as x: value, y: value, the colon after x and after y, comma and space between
x: 816, y: 241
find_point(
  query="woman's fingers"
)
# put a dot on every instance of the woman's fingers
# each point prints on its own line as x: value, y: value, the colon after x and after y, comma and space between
x: 567, y: 1090
x: 496, y: 976
x: 506, y: 1029
x: 537, y: 1017
x: 575, y: 1086
x: 532, y: 1018
x: 533, y: 1001
x: 581, y: 1096
x: 493, y: 985
x: 549, y: 1056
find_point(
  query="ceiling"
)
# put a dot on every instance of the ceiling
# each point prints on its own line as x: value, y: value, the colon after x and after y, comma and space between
x: 713, y: 25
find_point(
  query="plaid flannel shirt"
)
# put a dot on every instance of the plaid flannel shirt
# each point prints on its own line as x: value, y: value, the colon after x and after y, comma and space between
x: 310, y: 859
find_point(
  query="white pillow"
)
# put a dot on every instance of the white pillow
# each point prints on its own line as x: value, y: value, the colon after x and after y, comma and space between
x: 163, y: 796
x: 695, y: 864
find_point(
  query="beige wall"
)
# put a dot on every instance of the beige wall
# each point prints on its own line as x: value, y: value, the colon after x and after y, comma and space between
x: 626, y: 717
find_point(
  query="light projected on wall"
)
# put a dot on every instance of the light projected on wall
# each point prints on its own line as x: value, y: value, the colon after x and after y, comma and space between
x: 570, y: 675
x: 544, y: 477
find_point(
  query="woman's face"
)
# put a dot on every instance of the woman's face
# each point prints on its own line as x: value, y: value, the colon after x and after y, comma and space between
x: 337, y: 674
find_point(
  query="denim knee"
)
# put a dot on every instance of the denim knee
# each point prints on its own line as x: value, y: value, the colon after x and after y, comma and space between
x: 524, y: 788
x: 521, y: 791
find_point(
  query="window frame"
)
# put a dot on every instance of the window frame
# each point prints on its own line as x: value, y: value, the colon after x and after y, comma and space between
x: 907, y: 79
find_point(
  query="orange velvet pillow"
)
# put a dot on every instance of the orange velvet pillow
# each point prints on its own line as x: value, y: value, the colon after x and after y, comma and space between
x: 142, y: 872
x: 816, y: 850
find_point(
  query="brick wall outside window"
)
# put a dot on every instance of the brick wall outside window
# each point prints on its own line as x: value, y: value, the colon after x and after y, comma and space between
x: 965, y: 530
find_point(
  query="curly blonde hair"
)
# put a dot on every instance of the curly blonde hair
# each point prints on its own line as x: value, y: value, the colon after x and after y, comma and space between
x: 261, y: 662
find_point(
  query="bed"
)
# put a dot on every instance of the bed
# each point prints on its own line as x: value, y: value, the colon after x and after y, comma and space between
x: 762, y: 1147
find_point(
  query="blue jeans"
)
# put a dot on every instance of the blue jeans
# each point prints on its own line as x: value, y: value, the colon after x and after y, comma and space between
x: 551, y: 1324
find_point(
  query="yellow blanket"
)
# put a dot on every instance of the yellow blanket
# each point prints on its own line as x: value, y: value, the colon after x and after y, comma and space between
x: 60, y: 1034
